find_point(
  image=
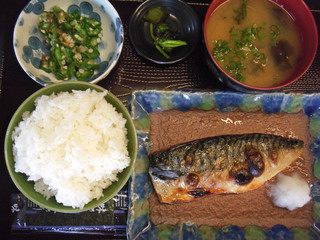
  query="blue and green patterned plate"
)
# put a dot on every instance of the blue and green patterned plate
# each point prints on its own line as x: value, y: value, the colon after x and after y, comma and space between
x: 143, y: 103
x: 29, y: 45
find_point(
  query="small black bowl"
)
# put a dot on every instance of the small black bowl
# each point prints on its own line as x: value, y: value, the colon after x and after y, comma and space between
x: 182, y: 18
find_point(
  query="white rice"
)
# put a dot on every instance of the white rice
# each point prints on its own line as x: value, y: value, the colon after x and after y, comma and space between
x: 72, y: 145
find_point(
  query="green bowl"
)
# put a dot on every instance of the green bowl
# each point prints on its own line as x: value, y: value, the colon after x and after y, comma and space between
x: 27, y: 187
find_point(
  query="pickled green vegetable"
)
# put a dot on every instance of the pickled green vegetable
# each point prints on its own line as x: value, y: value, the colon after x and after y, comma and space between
x: 163, y: 37
x: 73, y: 40
x: 157, y: 14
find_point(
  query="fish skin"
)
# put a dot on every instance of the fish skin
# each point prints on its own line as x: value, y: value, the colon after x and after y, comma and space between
x: 221, y: 164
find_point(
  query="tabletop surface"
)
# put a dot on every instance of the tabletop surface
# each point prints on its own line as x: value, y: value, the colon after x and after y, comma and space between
x: 131, y: 72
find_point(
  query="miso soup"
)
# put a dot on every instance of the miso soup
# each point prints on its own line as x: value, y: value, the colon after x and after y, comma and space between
x: 254, y: 41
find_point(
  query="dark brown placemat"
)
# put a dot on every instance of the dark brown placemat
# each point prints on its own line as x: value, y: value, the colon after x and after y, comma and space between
x: 131, y: 72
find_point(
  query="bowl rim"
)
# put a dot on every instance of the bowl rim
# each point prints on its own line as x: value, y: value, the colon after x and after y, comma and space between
x: 313, y: 26
x: 142, y: 7
x: 119, y: 46
x: 68, y: 87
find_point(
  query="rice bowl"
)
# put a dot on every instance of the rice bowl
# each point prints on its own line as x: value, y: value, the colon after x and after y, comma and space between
x: 82, y: 147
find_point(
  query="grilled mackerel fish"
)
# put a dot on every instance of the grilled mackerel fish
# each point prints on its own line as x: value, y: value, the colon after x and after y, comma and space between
x: 222, y: 164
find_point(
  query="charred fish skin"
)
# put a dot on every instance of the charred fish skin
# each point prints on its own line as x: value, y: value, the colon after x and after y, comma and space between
x: 238, y: 159
x: 217, y: 153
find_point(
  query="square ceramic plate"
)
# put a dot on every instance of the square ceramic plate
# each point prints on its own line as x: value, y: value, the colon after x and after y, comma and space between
x: 143, y: 103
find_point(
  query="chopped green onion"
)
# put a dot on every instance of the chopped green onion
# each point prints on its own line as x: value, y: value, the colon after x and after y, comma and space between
x: 243, y: 46
x: 274, y: 32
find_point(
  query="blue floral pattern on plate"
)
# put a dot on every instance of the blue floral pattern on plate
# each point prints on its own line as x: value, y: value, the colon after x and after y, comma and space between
x: 144, y: 102
x: 29, y: 44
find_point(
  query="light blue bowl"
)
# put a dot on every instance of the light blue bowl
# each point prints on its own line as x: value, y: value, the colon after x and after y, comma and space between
x: 29, y: 43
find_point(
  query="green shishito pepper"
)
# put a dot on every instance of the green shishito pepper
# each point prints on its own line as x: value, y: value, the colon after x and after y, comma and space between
x: 73, y: 40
